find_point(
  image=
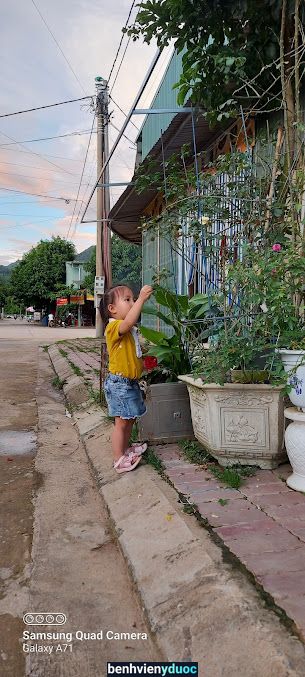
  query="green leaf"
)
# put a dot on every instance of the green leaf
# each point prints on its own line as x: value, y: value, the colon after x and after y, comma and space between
x: 157, y: 313
x: 156, y: 337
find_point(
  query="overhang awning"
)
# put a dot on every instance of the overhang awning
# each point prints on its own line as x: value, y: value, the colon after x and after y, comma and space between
x: 125, y: 215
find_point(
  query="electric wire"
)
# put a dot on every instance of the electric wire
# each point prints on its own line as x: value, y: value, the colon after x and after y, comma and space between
x: 48, y: 138
x: 50, y: 105
x: 120, y: 65
x: 34, y: 153
x: 121, y: 40
x: 126, y: 137
x: 58, y: 45
x: 48, y: 197
x: 81, y: 178
x: 122, y: 111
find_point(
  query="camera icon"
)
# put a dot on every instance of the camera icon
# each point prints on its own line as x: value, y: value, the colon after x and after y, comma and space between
x: 44, y: 618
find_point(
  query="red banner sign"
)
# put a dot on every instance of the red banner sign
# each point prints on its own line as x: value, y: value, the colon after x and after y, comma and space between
x: 61, y: 302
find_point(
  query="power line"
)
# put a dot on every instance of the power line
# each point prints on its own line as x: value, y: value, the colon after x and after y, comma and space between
x: 81, y: 178
x: 44, y: 156
x: 21, y: 164
x: 125, y: 137
x: 48, y: 138
x: 48, y: 197
x: 50, y: 105
x: 34, y: 176
x: 37, y: 154
x: 121, y: 40
x: 58, y: 45
x: 120, y: 65
x: 31, y: 216
x: 122, y: 111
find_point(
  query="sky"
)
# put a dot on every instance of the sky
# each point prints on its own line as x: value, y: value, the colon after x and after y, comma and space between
x: 34, y: 73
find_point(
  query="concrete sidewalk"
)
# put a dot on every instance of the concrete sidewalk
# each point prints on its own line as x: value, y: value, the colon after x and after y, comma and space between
x: 193, y: 583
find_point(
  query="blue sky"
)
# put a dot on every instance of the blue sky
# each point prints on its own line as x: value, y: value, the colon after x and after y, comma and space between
x: 34, y: 73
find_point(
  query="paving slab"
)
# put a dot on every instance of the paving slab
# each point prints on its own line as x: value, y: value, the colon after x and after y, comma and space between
x: 198, y: 604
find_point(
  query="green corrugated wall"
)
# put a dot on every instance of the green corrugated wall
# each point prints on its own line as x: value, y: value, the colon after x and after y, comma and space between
x: 166, y: 97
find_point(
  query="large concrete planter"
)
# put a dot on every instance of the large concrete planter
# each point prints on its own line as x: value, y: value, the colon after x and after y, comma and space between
x: 238, y: 423
x: 168, y: 415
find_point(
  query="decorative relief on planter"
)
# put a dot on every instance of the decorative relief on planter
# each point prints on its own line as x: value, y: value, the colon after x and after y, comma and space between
x: 238, y: 424
x: 241, y: 399
x: 246, y: 428
x: 199, y: 412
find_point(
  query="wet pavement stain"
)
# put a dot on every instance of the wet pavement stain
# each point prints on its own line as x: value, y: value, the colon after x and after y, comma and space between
x: 17, y: 442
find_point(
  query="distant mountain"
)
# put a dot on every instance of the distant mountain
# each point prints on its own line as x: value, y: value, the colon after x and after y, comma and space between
x: 5, y: 271
x: 85, y: 255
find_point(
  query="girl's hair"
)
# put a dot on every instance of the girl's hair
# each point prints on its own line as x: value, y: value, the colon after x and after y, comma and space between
x: 110, y: 297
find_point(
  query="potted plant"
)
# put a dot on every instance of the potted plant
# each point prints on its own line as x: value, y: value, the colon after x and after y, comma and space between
x: 236, y: 387
x: 167, y: 400
x: 239, y: 420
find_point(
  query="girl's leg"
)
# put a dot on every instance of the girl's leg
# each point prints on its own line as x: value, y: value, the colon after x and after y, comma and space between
x: 119, y: 435
x: 130, y: 423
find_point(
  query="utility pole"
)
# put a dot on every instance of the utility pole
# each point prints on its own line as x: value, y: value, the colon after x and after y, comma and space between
x: 103, y: 238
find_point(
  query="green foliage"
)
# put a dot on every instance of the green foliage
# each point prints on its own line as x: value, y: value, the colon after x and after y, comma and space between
x: 225, y: 45
x: 233, y: 476
x: 172, y: 351
x: 152, y: 459
x: 94, y: 395
x: 58, y: 383
x: 63, y: 352
x: 126, y: 265
x: 76, y: 369
x: 36, y: 277
x: 194, y: 452
x: 4, y: 290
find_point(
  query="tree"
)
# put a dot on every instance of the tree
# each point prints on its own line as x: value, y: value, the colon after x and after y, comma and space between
x: 41, y: 271
x: 236, y: 51
x: 126, y: 264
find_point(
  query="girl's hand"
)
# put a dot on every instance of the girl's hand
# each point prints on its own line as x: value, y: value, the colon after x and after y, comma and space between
x: 146, y: 293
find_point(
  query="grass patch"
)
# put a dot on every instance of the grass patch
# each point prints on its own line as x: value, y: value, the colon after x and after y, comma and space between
x: 231, y: 476
x: 223, y: 501
x: 45, y: 348
x: 152, y: 459
x: 63, y: 352
x: 134, y: 433
x: 95, y: 395
x: 194, y: 452
x: 96, y: 371
x: 188, y: 509
x: 234, y: 476
x: 76, y: 369
x: 58, y: 383
x: 109, y: 418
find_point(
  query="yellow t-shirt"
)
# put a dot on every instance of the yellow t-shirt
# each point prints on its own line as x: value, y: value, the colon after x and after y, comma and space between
x: 123, y: 359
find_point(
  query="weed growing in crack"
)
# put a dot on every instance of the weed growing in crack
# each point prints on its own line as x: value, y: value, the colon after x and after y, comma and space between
x: 58, y: 383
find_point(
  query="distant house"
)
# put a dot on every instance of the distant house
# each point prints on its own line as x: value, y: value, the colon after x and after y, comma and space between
x: 75, y: 270
x: 75, y: 273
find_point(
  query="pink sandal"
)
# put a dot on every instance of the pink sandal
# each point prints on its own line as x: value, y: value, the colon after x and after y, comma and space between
x: 127, y: 463
x: 136, y: 449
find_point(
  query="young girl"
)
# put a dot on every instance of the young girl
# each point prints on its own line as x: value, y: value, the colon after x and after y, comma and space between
x: 125, y: 402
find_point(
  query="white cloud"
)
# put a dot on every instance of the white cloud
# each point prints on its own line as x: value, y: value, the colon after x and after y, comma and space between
x: 34, y: 72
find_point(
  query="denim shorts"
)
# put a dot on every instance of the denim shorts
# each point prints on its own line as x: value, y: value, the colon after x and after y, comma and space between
x: 124, y: 397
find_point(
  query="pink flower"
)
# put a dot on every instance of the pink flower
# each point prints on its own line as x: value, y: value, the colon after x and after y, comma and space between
x: 276, y: 247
